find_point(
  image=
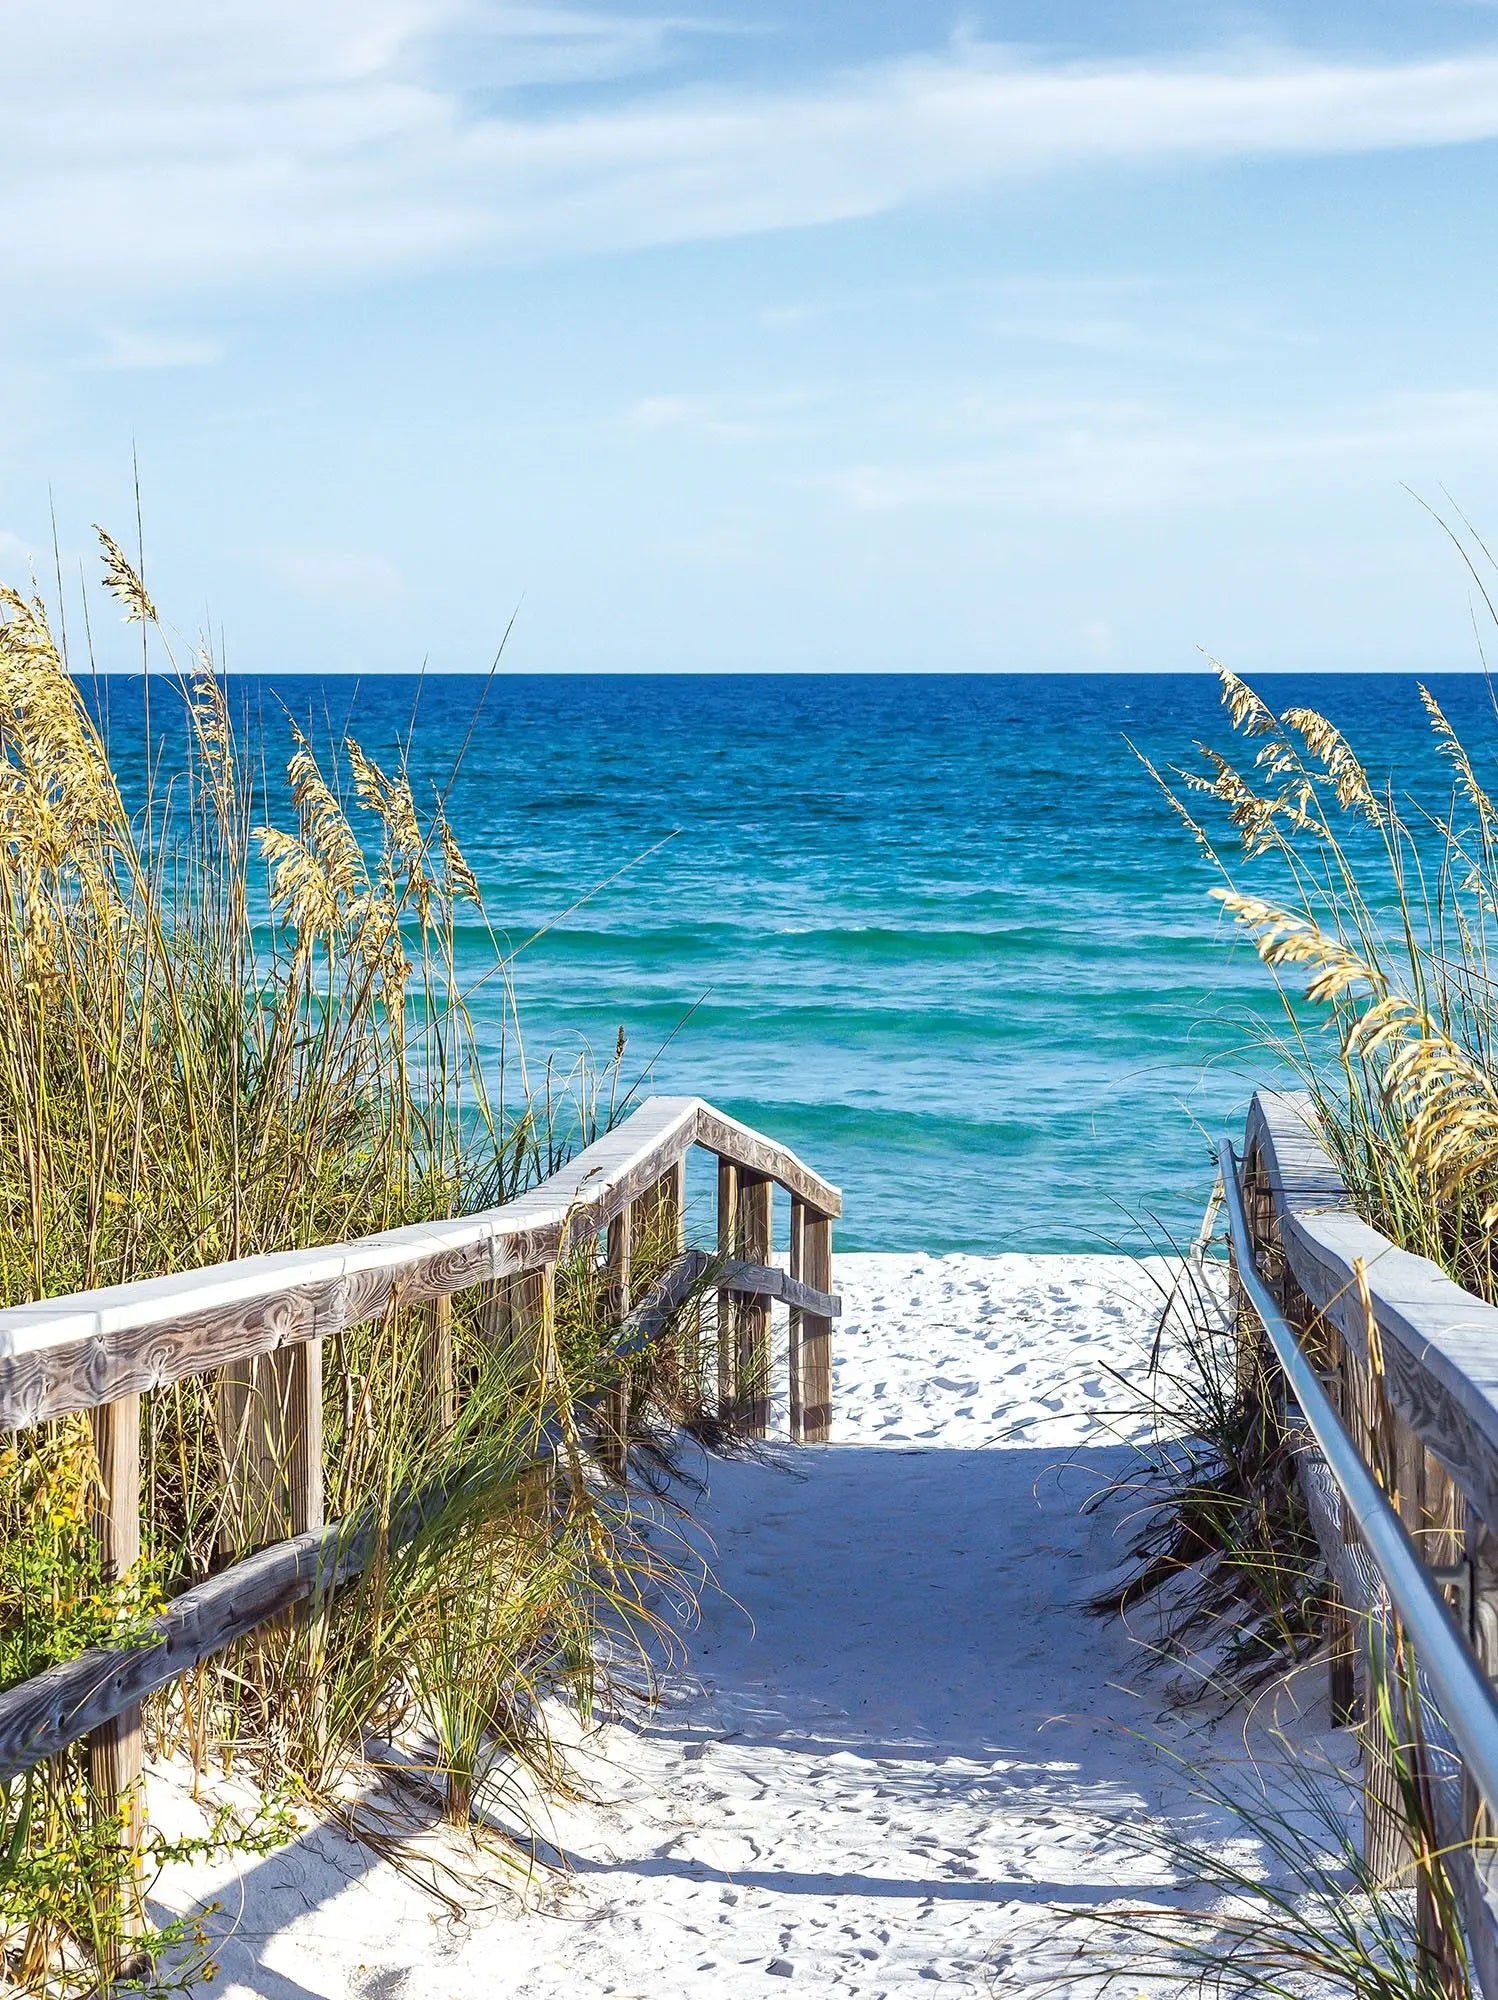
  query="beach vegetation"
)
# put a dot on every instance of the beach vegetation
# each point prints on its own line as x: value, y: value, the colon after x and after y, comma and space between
x: 232, y: 1021
x: 1372, y: 902
x: 1275, y: 1897
x: 1375, y: 908
x: 1222, y: 1550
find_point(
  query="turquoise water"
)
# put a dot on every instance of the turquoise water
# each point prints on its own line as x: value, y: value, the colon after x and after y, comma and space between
x: 939, y: 933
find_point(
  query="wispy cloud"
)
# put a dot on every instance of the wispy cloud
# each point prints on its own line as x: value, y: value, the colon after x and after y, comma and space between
x: 1106, y: 463
x: 338, y: 576
x: 741, y: 419
x: 126, y: 350
x: 269, y: 139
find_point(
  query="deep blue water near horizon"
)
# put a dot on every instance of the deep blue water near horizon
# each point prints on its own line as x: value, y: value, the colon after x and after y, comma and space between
x: 939, y: 933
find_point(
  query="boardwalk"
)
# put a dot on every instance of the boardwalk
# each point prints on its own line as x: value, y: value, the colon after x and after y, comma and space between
x: 885, y: 1762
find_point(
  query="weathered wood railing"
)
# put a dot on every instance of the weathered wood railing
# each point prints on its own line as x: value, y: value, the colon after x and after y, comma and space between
x: 1409, y: 1363
x: 259, y: 1325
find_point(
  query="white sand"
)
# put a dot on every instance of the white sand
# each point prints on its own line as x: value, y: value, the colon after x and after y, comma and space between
x: 884, y: 1761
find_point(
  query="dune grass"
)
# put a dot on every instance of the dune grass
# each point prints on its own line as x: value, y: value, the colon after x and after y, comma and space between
x: 1222, y: 1542
x: 1373, y: 908
x: 232, y: 1020
x: 1274, y: 1899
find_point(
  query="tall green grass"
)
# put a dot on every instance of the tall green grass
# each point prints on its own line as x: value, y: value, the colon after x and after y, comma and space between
x: 1276, y: 1901
x: 232, y: 1020
x: 1375, y: 909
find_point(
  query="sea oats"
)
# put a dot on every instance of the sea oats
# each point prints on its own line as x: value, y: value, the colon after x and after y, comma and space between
x: 122, y: 580
x: 326, y: 832
x: 1253, y: 716
x: 461, y: 880
x: 1326, y: 742
x: 1453, y: 748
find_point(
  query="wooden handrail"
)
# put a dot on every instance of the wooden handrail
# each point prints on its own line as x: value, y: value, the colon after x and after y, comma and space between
x: 1440, y: 1343
x: 92, y: 1348
x: 1416, y: 1397
x: 100, y: 1350
x: 41, y: 1716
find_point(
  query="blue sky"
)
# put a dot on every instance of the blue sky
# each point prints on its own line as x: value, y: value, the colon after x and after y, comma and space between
x: 757, y: 337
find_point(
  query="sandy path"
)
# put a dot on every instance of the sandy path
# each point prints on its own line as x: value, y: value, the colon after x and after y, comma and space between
x: 884, y: 1764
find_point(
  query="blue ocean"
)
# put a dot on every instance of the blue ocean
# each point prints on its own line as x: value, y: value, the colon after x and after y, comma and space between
x: 939, y: 933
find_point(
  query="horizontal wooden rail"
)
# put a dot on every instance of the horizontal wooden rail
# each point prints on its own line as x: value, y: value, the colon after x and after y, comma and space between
x: 43, y: 1715
x: 1440, y: 1343
x: 764, y: 1282
x: 258, y: 1326
x: 91, y: 1348
x: 85, y: 1695
x: 1415, y: 1401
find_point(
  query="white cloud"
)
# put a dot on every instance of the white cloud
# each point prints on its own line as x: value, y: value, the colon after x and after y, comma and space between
x: 126, y: 350
x: 338, y: 576
x: 1116, y: 465
x: 664, y: 413
x: 272, y: 139
x: 743, y: 420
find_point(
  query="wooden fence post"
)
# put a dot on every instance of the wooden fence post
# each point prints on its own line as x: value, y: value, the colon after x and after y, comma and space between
x: 272, y: 1413
x: 728, y: 1233
x: 116, y: 1753
x: 615, y: 1414
x: 439, y: 1372
x: 794, y: 1337
x: 531, y: 1303
x: 299, y: 1373
x: 811, y: 1262
x: 752, y: 1314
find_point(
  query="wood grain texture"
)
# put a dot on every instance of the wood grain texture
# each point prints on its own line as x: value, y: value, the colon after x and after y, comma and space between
x: 796, y: 1391
x: 116, y: 1748
x: 751, y: 1309
x: 60, y: 1355
x: 1474, y: 1873
x: 820, y: 1306
x: 615, y: 1413
x: 439, y: 1368
x: 44, y: 1715
x: 758, y: 1155
x: 1424, y: 1419
x: 1440, y: 1344
x: 765, y: 1281
x: 723, y: 1325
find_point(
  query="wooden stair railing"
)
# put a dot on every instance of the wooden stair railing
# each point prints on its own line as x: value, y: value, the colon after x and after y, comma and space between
x: 101, y: 1351
x: 1408, y: 1362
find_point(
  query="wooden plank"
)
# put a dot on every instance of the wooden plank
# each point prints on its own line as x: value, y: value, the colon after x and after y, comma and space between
x: 273, y: 1416
x: 116, y: 1749
x: 1474, y: 1872
x: 534, y: 1339
x: 796, y: 1396
x: 42, y: 1716
x: 1423, y: 1418
x: 1440, y: 1344
x: 816, y: 1328
x: 95, y: 1347
x: 615, y: 1415
x: 728, y: 1230
x: 757, y: 1155
x: 751, y: 1311
x: 299, y: 1373
x: 660, y: 1232
x: 439, y: 1371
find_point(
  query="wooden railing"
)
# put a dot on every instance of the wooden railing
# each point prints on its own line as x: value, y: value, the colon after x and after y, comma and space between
x: 259, y: 1324
x: 1408, y: 1362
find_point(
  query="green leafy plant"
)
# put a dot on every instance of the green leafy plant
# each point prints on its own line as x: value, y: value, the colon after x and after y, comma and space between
x: 233, y: 1020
